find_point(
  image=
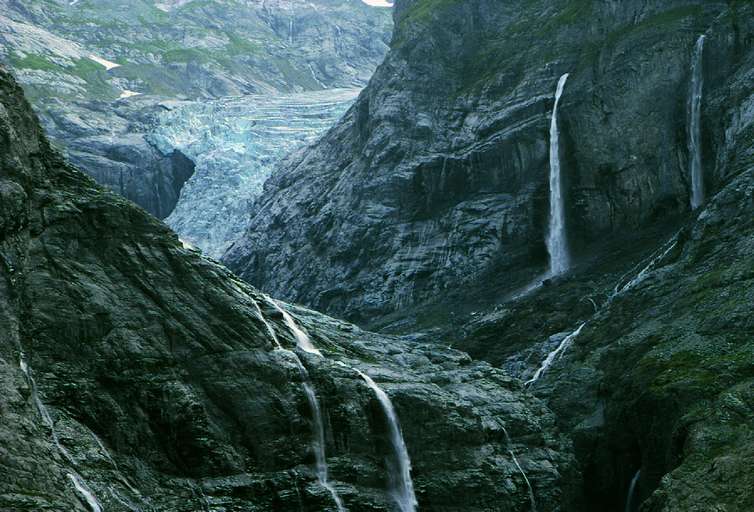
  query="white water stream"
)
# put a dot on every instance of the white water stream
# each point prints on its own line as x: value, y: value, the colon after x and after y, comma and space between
x: 557, y: 241
x: 401, y: 485
x: 694, y: 126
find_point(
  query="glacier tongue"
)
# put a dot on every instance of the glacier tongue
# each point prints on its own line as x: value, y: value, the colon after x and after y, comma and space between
x: 235, y: 144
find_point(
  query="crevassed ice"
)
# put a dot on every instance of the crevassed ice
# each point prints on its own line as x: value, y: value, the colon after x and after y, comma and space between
x: 235, y: 144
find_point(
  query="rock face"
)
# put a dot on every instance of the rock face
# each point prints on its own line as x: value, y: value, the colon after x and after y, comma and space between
x: 137, y: 375
x: 97, y: 71
x: 660, y: 379
x: 436, y: 180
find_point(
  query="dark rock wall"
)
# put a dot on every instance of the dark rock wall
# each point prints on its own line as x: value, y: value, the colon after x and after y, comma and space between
x: 437, y: 178
x: 165, y: 392
x: 661, y: 377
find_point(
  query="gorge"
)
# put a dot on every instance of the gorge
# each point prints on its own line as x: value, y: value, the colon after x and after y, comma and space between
x: 535, y: 220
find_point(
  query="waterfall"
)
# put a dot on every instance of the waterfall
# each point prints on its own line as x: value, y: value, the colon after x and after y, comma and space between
x: 82, y: 489
x: 694, y: 125
x: 632, y: 492
x: 654, y: 259
x: 302, y: 339
x: 319, y: 446
x: 402, y: 488
x: 520, y: 469
x: 562, y: 347
x: 318, y: 442
x: 42, y: 410
x: 557, y: 243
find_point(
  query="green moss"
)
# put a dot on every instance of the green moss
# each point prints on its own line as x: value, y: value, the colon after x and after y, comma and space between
x: 186, y: 55
x: 34, y: 62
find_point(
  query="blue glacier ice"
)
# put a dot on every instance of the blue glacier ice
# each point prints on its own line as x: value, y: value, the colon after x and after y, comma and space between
x: 236, y: 144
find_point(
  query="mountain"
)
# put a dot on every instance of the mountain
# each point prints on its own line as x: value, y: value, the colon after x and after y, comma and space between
x: 428, y: 208
x: 138, y: 375
x: 99, y: 73
x: 436, y: 182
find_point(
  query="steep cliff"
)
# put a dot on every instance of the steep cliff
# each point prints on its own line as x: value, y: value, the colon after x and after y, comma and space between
x: 436, y: 180
x: 657, y: 387
x: 137, y: 375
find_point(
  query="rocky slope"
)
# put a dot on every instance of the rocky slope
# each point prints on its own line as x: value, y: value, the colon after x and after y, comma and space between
x: 137, y: 375
x: 436, y: 181
x: 97, y: 72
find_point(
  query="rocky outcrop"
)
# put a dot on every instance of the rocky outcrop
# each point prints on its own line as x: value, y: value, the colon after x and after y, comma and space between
x: 436, y: 180
x: 137, y: 375
x: 110, y: 141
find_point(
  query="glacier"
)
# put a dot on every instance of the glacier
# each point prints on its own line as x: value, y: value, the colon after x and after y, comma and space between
x: 236, y: 144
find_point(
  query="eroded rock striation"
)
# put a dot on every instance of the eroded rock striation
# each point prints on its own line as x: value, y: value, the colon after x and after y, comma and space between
x: 137, y: 375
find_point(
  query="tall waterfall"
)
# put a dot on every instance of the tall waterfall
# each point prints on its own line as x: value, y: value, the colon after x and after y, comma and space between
x: 694, y: 126
x: 557, y: 242
x: 632, y: 492
x: 402, y: 487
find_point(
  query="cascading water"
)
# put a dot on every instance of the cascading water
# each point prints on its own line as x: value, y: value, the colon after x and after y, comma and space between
x: 562, y: 347
x: 318, y: 442
x: 302, y: 339
x: 84, y: 491
x: 632, y: 492
x: 76, y: 480
x: 42, y: 410
x: 557, y: 242
x: 401, y: 485
x: 319, y: 446
x: 694, y: 125
x: 532, y: 501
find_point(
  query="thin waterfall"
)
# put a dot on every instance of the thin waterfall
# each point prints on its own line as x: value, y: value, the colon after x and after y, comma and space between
x: 557, y: 242
x: 77, y: 481
x: 694, y: 125
x: 631, y: 492
x: 84, y: 491
x: 319, y: 446
x: 302, y: 339
x: 42, y: 410
x: 562, y: 347
x: 532, y: 501
x: 318, y: 442
x: 401, y: 485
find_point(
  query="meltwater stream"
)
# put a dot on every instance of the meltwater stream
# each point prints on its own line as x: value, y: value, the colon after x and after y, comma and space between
x: 632, y: 492
x: 562, y: 347
x: 304, y: 343
x: 402, y: 487
x: 78, y: 483
x: 694, y: 125
x: 236, y: 143
x: 557, y: 242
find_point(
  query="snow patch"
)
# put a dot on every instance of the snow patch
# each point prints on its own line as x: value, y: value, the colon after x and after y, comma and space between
x: 128, y: 94
x: 108, y: 65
